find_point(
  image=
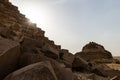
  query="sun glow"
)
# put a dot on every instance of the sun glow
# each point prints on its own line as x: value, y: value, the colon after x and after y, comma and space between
x: 37, y: 15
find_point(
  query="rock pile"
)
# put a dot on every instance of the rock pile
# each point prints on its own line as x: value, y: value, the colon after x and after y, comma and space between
x: 26, y: 54
x: 22, y: 43
x: 93, y: 52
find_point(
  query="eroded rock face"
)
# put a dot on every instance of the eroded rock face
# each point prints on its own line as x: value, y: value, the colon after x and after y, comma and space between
x: 38, y: 71
x: 95, y: 52
x: 50, y: 51
x: 80, y: 64
x: 66, y: 57
x: 15, y: 26
x: 93, y: 47
x: 9, y: 56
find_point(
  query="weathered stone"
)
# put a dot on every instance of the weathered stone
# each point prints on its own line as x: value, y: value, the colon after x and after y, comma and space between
x: 17, y: 26
x: 35, y: 47
x: 38, y: 47
x: 66, y: 57
x: 31, y: 45
x: 104, y: 70
x: 4, y: 32
x: 50, y: 51
x: 80, y: 64
x: 67, y: 73
x: 93, y: 76
x: 30, y: 58
x: 115, y: 78
x: 9, y: 56
x: 94, y: 52
x: 88, y: 76
x: 37, y: 71
x: 61, y: 72
x: 93, y: 47
x: 4, y: 0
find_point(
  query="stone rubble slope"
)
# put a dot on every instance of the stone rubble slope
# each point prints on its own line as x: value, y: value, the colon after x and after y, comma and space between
x: 27, y: 54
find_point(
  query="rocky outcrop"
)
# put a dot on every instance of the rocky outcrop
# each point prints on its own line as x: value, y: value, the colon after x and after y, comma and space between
x: 94, y: 52
x: 93, y: 47
x: 16, y: 28
x: 9, y: 56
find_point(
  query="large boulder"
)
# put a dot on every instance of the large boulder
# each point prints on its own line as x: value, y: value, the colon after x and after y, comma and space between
x: 37, y: 71
x: 94, y: 52
x: 61, y: 72
x: 80, y: 64
x: 9, y: 56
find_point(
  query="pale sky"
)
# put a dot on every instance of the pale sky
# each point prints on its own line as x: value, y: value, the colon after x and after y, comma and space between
x: 74, y: 23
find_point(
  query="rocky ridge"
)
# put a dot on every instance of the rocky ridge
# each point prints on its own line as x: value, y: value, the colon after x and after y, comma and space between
x: 25, y: 53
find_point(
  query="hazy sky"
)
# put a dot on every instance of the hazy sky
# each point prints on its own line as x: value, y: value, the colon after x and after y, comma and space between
x: 73, y: 23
